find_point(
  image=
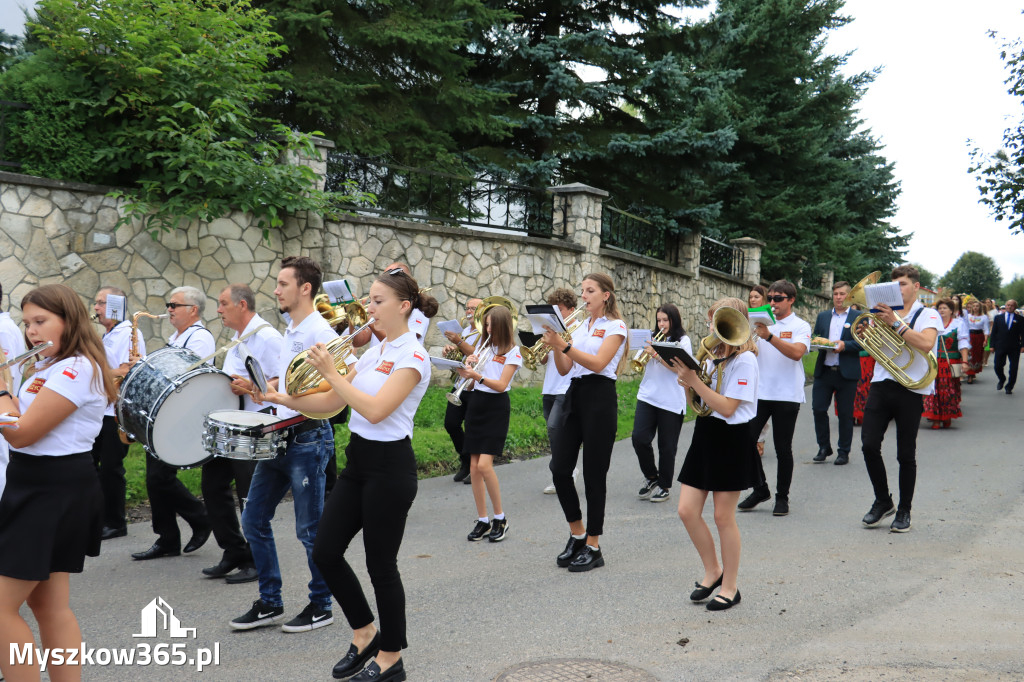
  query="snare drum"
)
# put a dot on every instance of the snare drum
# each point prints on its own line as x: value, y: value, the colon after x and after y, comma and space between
x: 227, y: 435
x: 163, y: 403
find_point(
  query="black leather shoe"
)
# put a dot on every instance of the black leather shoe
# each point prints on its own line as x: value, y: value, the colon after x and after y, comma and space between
x: 823, y: 454
x: 199, y: 538
x: 1009, y: 391
x: 720, y: 603
x: 702, y: 593
x: 155, y: 552
x: 878, y: 511
x: 111, y: 533
x: 372, y: 673
x: 587, y: 559
x: 753, y: 499
x: 461, y: 474
x: 999, y: 386
x: 842, y: 459
x: 572, y: 548
x: 781, y: 506
x: 245, y: 574
x: 354, y: 661
x: 221, y: 569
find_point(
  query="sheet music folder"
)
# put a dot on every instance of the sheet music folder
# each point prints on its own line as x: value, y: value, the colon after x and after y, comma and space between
x: 667, y: 351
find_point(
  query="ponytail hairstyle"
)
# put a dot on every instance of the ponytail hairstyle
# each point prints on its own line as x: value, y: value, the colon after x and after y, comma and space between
x: 406, y: 289
x: 740, y: 305
x: 79, y: 337
x: 675, y: 322
x: 611, y: 310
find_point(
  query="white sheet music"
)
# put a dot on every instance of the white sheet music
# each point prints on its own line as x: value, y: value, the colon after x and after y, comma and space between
x: 761, y: 316
x: 445, y: 363
x: 638, y: 338
x: 450, y: 326
x: 886, y: 292
x: 115, y: 307
x: 542, y: 315
x: 338, y: 291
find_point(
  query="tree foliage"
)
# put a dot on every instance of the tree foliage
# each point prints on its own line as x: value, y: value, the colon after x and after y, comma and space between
x: 928, y: 278
x: 1013, y: 289
x: 973, y: 273
x: 1000, y: 174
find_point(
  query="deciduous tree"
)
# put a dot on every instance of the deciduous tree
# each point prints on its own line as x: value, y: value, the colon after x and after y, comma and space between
x: 973, y: 273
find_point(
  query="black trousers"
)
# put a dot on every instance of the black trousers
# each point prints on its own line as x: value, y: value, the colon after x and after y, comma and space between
x: 108, y: 453
x: 1001, y: 356
x: 216, y: 480
x: 589, y: 420
x: 454, y: 416
x: 374, y: 493
x: 783, y: 415
x: 890, y: 401
x: 647, y: 420
x: 831, y: 383
x: 169, y: 497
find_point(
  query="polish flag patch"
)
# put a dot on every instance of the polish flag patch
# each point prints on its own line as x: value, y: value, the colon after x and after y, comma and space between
x: 70, y: 373
x: 385, y: 367
x: 418, y: 357
x: 36, y: 385
x: 742, y: 382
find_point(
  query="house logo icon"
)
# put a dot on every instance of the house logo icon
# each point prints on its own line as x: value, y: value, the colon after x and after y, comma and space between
x: 158, y: 616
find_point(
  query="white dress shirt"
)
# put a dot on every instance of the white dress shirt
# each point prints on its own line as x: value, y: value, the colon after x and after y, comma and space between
x: 265, y: 346
x: 312, y: 330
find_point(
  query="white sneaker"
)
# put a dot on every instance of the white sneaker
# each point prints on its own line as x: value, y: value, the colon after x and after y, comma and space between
x: 550, y: 490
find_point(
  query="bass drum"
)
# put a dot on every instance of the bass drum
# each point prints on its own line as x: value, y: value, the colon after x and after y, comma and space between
x: 163, y: 404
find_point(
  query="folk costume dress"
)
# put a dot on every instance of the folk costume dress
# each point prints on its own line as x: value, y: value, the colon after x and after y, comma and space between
x: 978, y: 328
x: 944, y: 404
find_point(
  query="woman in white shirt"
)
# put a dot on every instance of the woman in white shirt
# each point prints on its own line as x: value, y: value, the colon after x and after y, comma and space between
x: 660, y: 408
x: 51, y: 512
x: 593, y: 358
x: 487, y: 418
x: 978, y: 329
x: 377, y: 487
x: 721, y: 459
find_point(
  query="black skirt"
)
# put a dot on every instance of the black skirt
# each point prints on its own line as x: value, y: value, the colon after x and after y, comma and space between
x: 721, y: 457
x: 51, y: 515
x: 486, y: 423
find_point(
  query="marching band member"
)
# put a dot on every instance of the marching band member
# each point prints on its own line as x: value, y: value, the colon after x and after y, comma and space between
x: 890, y: 400
x: 108, y: 452
x: 660, y: 407
x: 552, y: 394
x: 418, y: 322
x: 488, y: 416
x: 12, y: 344
x: 455, y: 415
x: 51, y: 512
x: 300, y: 469
x: 378, y: 484
x: 236, y: 306
x: 721, y: 459
x: 592, y: 358
x: 168, y: 496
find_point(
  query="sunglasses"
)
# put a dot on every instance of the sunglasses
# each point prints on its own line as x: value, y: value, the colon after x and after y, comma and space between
x: 172, y: 306
x: 395, y: 272
x: 776, y: 299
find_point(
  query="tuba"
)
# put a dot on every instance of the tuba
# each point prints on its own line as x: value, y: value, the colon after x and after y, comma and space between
x: 909, y: 367
x: 302, y: 379
x: 642, y: 357
x: 728, y: 326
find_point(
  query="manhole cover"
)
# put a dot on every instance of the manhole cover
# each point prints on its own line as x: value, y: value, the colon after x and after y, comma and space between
x: 574, y: 669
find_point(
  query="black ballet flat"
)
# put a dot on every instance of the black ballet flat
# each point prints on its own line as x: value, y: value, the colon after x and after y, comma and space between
x: 702, y: 593
x: 720, y: 603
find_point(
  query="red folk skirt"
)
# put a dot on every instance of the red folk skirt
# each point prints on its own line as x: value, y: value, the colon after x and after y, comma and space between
x: 867, y: 369
x: 944, y: 404
x: 975, y: 361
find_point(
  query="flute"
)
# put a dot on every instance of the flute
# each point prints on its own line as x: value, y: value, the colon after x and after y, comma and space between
x: 27, y: 354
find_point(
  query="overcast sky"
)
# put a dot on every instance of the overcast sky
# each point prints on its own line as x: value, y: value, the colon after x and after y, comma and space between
x: 941, y: 85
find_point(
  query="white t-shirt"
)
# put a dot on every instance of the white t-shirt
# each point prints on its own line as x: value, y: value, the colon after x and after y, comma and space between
x: 12, y: 341
x: 117, y: 344
x: 264, y: 346
x: 312, y: 330
x: 373, y: 370
x: 588, y: 339
x: 928, y: 319
x: 493, y: 368
x: 197, y: 339
x: 782, y: 378
x: 554, y: 383
x: 73, y: 379
x: 660, y: 386
x: 739, y: 381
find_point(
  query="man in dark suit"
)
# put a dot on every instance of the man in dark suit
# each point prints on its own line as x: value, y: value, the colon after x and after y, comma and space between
x: 1007, y: 342
x: 836, y: 373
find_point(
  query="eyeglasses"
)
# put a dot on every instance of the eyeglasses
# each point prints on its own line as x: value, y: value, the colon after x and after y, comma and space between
x: 776, y: 299
x: 172, y: 306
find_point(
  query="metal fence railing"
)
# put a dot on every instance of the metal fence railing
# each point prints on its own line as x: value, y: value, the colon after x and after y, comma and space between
x: 479, y: 201
x: 632, y: 233
x: 7, y: 111
x: 724, y: 258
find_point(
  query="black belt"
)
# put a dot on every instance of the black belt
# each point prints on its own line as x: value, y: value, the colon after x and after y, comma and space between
x: 306, y: 426
x: 834, y: 368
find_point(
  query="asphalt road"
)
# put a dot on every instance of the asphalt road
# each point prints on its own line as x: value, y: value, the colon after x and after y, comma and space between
x: 823, y: 597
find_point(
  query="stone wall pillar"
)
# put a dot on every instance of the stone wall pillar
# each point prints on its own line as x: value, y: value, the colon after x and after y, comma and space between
x: 828, y: 278
x: 579, y: 207
x: 689, y: 251
x: 751, y: 250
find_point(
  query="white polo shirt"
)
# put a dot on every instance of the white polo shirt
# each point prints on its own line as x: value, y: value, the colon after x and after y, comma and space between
x: 493, y: 368
x: 195, y: 338
x: 12, y: 341
x: 554, y: 383
x: 73, y: 379
x: 418, y: 323
x: 740, y: 381
x: 928, y: 319
x: 312, y: 330
x: 779, y: 377
x: 373, y: 370
x: 588, y: 339
x: 660, y: 385
x: 264, y: 345
x: 117, y: 344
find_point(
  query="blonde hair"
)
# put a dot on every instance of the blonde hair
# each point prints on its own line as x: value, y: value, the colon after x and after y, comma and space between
x: 740, y: 305
x: 611, y: 311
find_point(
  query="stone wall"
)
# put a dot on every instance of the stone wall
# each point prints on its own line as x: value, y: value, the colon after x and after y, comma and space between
x: 64, y: 232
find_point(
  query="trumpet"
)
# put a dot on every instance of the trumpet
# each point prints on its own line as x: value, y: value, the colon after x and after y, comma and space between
x: 455, y: 397
x: 642, y: 357
x: 728, y: 326
x: 533, y: 354
x: 301, y: 378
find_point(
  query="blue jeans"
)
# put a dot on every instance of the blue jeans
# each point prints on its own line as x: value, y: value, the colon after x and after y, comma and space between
x: 301, y: 470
